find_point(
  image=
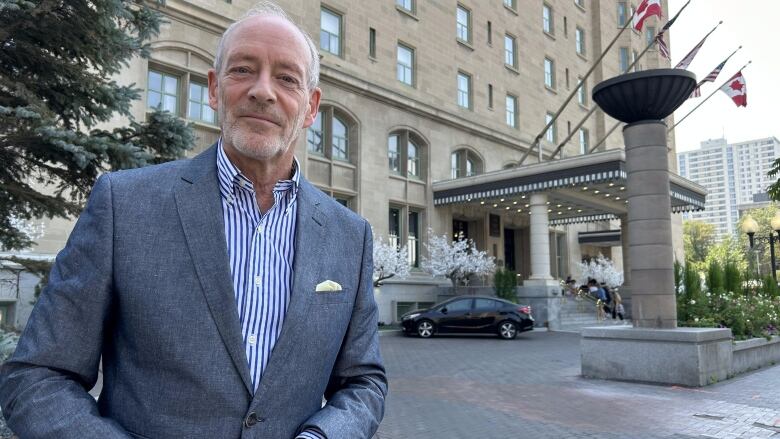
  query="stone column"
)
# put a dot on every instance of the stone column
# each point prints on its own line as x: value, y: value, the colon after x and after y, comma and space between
x: 650, y: 251
x: 540, y: 238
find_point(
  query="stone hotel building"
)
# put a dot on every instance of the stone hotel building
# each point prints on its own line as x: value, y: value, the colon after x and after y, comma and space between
x: 428, y: 108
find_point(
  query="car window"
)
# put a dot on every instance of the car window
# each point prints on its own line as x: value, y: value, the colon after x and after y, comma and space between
x: 459, y: 305
x: 485, y: 304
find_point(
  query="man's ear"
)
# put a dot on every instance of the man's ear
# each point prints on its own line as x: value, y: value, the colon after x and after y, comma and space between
x: 213, y: 101
x: 314, y: 107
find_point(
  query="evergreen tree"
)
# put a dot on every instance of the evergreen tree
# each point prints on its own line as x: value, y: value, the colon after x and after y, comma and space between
x: 57, y: 58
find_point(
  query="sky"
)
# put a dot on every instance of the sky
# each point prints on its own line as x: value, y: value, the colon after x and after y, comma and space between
x: 751, y: 24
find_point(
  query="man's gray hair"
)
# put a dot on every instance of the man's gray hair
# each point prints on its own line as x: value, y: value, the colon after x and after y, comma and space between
x: 271, y: 9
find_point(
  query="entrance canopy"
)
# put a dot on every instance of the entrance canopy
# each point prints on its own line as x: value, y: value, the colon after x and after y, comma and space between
x: 579, y: 189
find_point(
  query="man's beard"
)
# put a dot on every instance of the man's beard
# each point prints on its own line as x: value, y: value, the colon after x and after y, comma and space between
x: 244, y: 140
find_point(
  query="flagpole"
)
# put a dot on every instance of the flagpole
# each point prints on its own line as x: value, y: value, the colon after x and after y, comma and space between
x: 595, y: 107
x: 539, y: 136
x: 700, y: 42
x: 724, y: 63
x: 708, y: 97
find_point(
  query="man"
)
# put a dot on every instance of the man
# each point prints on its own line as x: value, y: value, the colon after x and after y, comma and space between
x: 225, y: 294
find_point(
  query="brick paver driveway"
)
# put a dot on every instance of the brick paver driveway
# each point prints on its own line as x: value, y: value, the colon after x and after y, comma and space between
x: 475, y: 387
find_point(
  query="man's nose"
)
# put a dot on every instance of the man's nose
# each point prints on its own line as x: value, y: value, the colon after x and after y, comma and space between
x: 262, y: 89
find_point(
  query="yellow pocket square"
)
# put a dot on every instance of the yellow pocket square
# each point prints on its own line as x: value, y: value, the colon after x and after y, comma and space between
x: 327, y: 286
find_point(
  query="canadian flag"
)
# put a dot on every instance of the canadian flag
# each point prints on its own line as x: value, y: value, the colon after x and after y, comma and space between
x: 736, y: 89
x: 646, y: 9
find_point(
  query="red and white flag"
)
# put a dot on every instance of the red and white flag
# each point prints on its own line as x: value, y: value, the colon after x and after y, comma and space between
x: 646, y: 9
x: 736, y: 89
x: 662, y: 45
x: 685, y: 62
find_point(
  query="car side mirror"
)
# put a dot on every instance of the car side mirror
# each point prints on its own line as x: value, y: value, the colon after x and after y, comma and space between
x: 444, y: 310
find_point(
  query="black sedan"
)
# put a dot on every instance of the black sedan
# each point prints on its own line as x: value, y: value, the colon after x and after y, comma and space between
x: 470, y: 315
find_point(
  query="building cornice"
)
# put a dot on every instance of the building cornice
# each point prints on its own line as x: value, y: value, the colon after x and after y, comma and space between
x: 194, y: 15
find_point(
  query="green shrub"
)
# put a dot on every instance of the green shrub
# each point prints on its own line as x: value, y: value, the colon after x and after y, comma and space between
x: 732, y: 279
x: 504, y: 282
x: 715, y: 277
x: 769, y: 287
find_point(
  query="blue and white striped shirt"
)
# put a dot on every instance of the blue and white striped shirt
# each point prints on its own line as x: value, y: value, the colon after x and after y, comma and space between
x: 261, y: 250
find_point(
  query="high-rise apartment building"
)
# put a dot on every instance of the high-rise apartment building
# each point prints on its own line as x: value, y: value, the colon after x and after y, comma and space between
x: 419, y: 94
x: 733, y: 174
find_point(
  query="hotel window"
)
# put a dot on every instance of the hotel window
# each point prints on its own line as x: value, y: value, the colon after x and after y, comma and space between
x: 549, y: 73
x: 649, y: 35
x: 329, y: 135
x: 580, y: 3
x: 413, y: 238
x: 463, y: 26
x: 547, y: 19
x: 582, y: 92
x: 579, y: 35
x: 464, y: 90
x: 511, y: 111
x: 584, y: 141
x: 622, y: 13
x: 163, y: 91
x: 465, y: 163
x: 634, y: 56
x: 407, y: 5
x: 490, y: 96
x: 394, y: 232
x: 405, y: 64
x: 510, y: 46
x: 330, y: 31
x: 511, y: 4
x: 623, y: 59
x: 198, y: 106
x: 405, y: 154
x: 551, y: 135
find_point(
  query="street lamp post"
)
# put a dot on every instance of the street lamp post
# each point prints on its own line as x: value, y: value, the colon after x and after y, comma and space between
x: 750, y: 227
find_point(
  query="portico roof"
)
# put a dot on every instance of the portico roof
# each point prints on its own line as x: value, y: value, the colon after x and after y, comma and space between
x: 580, y: 189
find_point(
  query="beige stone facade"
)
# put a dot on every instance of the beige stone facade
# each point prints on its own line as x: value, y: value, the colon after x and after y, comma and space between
x: 362, y: 91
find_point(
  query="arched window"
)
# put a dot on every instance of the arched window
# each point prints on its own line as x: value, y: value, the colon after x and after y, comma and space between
x: 405, y: 151
x: 329, y: 135
x: 465, y: 163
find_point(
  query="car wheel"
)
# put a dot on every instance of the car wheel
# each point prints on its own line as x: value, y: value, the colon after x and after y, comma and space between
x: 507, y: 330
x: 425, y: 329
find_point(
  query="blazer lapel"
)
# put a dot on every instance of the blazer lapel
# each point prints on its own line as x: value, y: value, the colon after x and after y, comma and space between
x: 309, y: 253
x: 200, y: 211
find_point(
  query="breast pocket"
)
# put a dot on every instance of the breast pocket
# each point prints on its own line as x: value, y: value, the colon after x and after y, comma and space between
x: 325, y: 297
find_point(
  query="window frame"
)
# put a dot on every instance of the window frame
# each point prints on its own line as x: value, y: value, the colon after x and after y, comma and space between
x: 203, y: 104
x: 579, y: 41
x: 551, y: 135
x: 467, y: 93
x: 328, y: 114
x: 462, y: 157
x: 582, y: 91
x: 165, y: 73
x: 513, y: 54
x: 623, y: 61
x: 513, y: 112
x: 548, y: 22
x: 339, y: 37
x: 405, y: 137
x: 622, y: 13
x: 412, y: 6
x: 411, y: 68
x: 549, y: 77
x: 459, y: 25
x: 584, y: 134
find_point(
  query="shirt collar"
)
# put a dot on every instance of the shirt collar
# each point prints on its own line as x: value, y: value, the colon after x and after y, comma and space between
x: 230, y: 176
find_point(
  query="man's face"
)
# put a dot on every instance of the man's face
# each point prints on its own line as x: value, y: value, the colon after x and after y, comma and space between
x: 260, y: 94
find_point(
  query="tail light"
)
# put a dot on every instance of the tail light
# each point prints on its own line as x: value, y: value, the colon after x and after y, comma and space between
x: 525, y: 309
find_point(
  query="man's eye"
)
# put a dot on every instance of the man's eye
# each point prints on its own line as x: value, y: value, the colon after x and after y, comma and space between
x: 289, y: 79
x: 239, y: 70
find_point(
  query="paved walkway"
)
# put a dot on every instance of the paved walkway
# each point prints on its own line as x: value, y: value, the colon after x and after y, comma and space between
x: 476, y: 387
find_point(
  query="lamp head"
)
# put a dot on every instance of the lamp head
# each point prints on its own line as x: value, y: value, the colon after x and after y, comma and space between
x: 749, y: 225
x: 776, y: 222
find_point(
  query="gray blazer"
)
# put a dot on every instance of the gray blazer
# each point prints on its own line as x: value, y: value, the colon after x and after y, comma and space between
x: 144, y: 282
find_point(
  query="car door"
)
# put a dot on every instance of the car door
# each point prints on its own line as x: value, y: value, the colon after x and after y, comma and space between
x: 484, y: 315
x: 455, y: 315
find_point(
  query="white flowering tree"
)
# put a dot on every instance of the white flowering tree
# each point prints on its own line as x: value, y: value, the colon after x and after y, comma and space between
x: 456, y: 260
x: 389, y: 261
x: 603, y: 270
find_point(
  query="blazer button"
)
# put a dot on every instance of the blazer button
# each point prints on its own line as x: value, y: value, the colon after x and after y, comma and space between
x: 251, y: 420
